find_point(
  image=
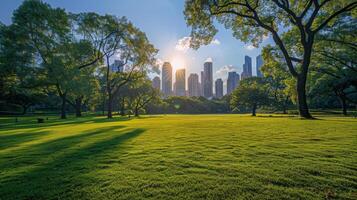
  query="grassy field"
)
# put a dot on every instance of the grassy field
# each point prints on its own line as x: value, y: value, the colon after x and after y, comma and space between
x: 179, y: 157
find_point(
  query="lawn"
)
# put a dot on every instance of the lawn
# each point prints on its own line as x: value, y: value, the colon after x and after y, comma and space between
x: 179, y: 157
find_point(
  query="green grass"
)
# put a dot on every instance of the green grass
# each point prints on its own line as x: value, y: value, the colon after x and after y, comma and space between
x: 179, y: 157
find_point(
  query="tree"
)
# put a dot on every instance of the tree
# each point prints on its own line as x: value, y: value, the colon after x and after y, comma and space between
x: 250, y: 20
x: 251, y: 93
x: 141, y: 93
x: 20, y: 78
x: 335, y: 69
x: 112, y: 36
x: 44, y: 31
x: 277, y: 78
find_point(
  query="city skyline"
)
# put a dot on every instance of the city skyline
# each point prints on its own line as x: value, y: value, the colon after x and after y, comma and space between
x: 194, y: 85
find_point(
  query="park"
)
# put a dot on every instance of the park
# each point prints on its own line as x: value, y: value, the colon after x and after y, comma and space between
x: 169, y: 99
x: 179, y: 157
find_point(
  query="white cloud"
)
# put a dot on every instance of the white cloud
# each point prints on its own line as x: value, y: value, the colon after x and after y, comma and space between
x: 223, y: 71
x: 249, y: 47
x: 215, y: 42
x: 159, y: 62
x: 157, y: 66
x: 184, y: 43
x: 209, y: 59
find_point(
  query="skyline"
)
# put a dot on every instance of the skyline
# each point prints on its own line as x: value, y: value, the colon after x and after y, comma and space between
x: 157, y: 20
x: 228, y: 85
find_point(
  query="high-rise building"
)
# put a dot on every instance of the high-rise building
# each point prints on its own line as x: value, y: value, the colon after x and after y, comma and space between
x: 193, y: 85
x: 247, y: 68
x: 201, y: 83
x: 207, y: 79
x: 232, y: 82
x: 117, y: 66
x: 259, y: 63
x: 166, y: 79
x: 156, y: 83
x: 180, y: 89
x: 248, y: 65
x: 219, y: 88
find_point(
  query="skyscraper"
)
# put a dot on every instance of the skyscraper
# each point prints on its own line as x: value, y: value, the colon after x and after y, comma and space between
x: 248, y: 64
x: 247, y: 68
x: 208, y: 79
x: 180, y: 89
x: 232, y: 82
x: 166, y: 79
x: 117, y: 66
x: 219, y: 88
x: 156, y: 83
x: 201, y: 83
x: 259, y: 63
x: 193, y: 86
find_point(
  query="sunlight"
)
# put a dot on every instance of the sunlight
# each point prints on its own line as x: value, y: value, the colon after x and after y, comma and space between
x: 178, y: 62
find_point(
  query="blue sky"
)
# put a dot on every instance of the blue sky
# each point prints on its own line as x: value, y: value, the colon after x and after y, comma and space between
x: 164, y: 24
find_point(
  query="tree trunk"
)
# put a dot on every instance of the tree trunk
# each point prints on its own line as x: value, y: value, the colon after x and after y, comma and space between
x: 301, y: 93
x: 64, y: 106
x: 122, y: 107
x: 285, y: 106
x: 24, y: 109
x: 110, y: 106
x: 78, y: 107
x: 254, y: 109
x: 109, y: 91
x: 343, y: 104
x: 136, y: 112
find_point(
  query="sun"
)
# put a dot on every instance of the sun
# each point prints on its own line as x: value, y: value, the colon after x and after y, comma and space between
x: 178, y: 62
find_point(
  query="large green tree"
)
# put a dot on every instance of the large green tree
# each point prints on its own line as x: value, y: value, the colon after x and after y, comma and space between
x: 47, y: 34
x: 116, y: 37
x: 250, y: 20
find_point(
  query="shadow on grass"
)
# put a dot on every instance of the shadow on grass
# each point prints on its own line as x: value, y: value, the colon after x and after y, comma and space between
x: 11, y: 140
x: 31, y: 122
x: 61, y: 167
x: 25, y: 156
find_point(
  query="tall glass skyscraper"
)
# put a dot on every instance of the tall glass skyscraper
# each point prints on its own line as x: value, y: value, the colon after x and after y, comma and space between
x: 219, y: 88
x: 166, y: 79
x: 180, y: 89
x: 208, y: 79
x: 232, y: 82
x: 259, y: 62
x: 193, y: 85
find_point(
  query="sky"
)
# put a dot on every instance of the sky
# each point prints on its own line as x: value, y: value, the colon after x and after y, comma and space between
x: 164, y: 23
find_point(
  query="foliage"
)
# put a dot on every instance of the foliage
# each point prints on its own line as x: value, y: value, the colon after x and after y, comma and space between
x: 250, y: 94
x: 293, y: 26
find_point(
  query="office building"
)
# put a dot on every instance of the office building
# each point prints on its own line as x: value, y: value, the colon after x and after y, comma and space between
x: 232, y: 82
x: 166, y: 79
x: 208, y: 79
x: 219, y: 88
x: 156, y: 83
x: 180, y: 84
x: 193, y: 85
x: 259, y: 64
x: 247, y: 68
x: 117, y: 66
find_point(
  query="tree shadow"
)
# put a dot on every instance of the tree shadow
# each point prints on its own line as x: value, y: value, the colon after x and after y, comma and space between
x: 13, y: 140
x: 25, y: 156
x: 61, y: 165
x: 32, y: 122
